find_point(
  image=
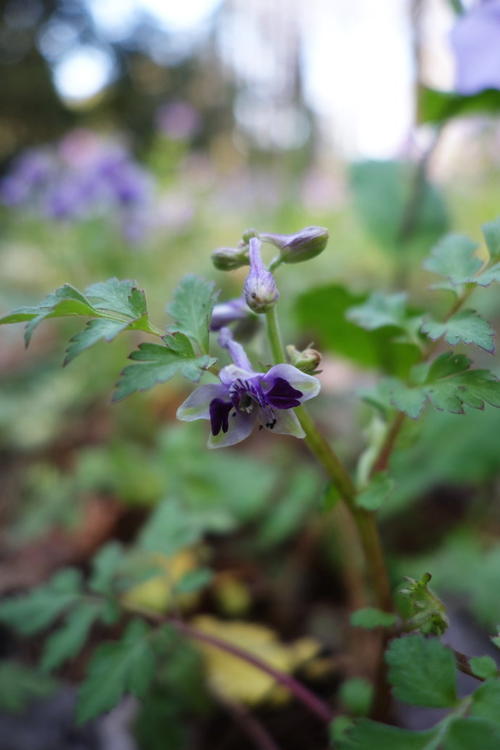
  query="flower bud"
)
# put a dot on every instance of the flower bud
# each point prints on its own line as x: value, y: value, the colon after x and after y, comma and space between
x: 247, y: 236
x: 303, y: 245
x: 307, y: 360
x: 261, y: 292
x: 229, y: 258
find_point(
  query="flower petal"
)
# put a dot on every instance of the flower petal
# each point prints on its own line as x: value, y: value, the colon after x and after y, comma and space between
x: 308, y: 385
x: 197, y: 405
x: 230, y: 373
x: 287, y: 424
x: 240, y: 427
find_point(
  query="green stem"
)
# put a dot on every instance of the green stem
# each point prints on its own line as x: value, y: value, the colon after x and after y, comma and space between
x: 318, y: 445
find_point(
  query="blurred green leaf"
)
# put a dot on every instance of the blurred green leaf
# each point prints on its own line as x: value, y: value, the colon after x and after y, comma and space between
x: 105, y: 566
x: 69, y: 639
x: 370, y: 617
x: 422, y: 672
x: 31, y: 612
x: 491, y: 232
x: 161, y: 363
x: 484, y: 666
x: 486, y: 700
x: 471, y: 733
x: 169, y: 528
x: 194, y: 580
x: 356, y: 695
x: 191, y: 309
x: 465, y: 327
x: 322, y: 312
x: 369, y: 735
x: 454, y: 257
x: 19, y: 685
x: 127, y: 666
x: 376, y: 493
x: 383, y: 192
x: 439, y: 106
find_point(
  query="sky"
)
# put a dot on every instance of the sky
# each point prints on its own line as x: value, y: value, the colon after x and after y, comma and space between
x: 357, y: 63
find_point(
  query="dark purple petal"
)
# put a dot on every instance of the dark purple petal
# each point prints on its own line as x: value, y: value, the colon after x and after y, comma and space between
x: 219, y: 413
x: 282, y: 395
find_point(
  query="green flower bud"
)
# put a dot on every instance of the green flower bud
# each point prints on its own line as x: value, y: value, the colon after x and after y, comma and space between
x: 303, y: 245
x: 307, y: 360
x: 229, y: 258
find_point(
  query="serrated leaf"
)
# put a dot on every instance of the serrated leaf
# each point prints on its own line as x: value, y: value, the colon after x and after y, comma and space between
x: 19, y: 685
x: 470, y: 733
x: 69, y: 639
x: 29, y: 613
x: 454, y: 258
x: 191, y: 309
x: 370, y: 617
x: 370, y: 735
x: 127, y: 666
x: 105, y: 565
x: 161, y: 363
x: 449, y: 386
x: 483, y: 666
x: 486, y: 701
x: 464, y: 327
x: 94, y: 331
x: 376, y: 493
x: 115, y: 296
x: 491, y: 232
x: 422, y: 672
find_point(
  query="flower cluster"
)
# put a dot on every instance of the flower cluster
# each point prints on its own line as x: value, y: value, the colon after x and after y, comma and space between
x: 245, y: 398
x: 85, y: 175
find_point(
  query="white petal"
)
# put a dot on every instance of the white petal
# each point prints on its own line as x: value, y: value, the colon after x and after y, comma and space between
x: 308, y: 385
x: 230, y: 373
x: 287, y: 423
x: 197, y: 405
x: 240, y: 427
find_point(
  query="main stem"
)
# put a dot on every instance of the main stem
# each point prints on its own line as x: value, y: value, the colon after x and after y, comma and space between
x: 318, y: 445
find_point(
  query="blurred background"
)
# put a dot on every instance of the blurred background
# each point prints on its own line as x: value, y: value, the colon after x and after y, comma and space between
x: 135, y: 137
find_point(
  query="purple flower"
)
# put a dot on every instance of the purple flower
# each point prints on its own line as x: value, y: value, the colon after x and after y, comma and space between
x: 228, y: 312
x: 475, y: 39
x: 261, y: 292
x: 245, y: 398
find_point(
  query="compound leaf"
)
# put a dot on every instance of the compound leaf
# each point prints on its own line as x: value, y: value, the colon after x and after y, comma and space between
x: 69, y: 639
x: 464, y: 327
x: 191, y: 309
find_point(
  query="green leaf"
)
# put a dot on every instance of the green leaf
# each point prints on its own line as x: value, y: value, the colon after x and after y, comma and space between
x: 369, y: 735
x: 161, y: 363
x: 472, y: 733
x: 422, y: 672
x: 117, y: 305
x: 29, y: 613
x: 194, y: 580
x: 483, y: 666
x: 370, y: 617
x: 439, y: 106
x: 69, y: 639
x: 322, y: 313
x: 376, y: 493
x: 191, y: 309
x: 380, y: 310
x: 170, y: 528
x: 464, y: 327
x: 356, y: 695
x: 127, y: 666
x: 94, y: 331
x: 382, y: 192
x: 449, y: 385
x: 486, y: 701
x: 491, y: 232
x: 454, y: 258
x: 19, y: 685
x: 105, y: 565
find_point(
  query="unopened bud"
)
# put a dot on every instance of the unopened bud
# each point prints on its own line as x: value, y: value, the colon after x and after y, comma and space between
x: 247, y: 235
x: 307, y: 360
x: 228, y: 312
x: 229, y: 258
x: 261, y: 292
x: 303, y: 245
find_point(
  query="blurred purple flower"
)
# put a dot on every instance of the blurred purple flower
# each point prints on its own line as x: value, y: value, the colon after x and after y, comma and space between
x: 475, y: 40
x: 178, y: 120
x: 28, y: 173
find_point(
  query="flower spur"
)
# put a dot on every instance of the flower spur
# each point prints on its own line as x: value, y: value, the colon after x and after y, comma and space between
x: 245, y: 398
